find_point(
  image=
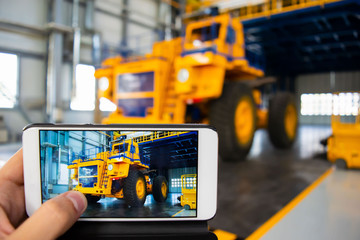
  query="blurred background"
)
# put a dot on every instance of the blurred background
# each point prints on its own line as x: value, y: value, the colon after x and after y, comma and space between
x: 50, y: 50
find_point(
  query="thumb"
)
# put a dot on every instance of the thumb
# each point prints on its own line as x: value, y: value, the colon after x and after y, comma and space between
x: 53, y: 218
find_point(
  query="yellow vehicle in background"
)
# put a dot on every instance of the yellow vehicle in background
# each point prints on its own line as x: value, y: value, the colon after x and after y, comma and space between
x: 121, y: 173
x: 343, y: 146
x: 188, y: 190
x: 204, y: 76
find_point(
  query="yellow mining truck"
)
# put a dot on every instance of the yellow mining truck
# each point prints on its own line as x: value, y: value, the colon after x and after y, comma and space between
x: 121, y: 173
x: 188, y: 190
x: 204, y: 76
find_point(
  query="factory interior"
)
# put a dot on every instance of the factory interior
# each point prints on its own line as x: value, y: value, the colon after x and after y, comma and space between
x: 279, y: 80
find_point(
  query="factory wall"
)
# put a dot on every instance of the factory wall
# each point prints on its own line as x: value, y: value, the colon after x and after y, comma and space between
x: 31, y: 49
x: 325, y: 83
x: 30, y: 43
x: 58, y: 149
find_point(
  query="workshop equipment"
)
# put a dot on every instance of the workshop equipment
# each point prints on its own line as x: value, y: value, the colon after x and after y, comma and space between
x: 343, y: 146
x: 188, y: 190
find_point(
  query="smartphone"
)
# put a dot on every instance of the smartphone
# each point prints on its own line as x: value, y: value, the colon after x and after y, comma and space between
x: 126, y: 172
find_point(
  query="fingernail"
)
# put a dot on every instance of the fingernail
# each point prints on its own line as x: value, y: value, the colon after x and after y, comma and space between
x: 78, y: 199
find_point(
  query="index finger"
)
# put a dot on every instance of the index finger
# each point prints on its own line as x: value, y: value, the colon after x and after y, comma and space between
x: 13, y: 169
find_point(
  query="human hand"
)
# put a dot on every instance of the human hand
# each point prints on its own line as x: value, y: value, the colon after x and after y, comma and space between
x: 50, y: 221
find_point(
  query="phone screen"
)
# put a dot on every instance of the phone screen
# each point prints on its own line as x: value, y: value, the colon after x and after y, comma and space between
x: 123, y: 174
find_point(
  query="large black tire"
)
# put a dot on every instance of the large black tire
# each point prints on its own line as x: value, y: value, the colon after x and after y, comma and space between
x: 92, y: 199
x: 135, y: 189
x: 341, y: 164
x: 224, y: 115
x: 160, y: 189
x: 282, y: 120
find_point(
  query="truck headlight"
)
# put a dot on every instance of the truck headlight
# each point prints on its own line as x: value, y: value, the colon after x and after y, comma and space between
x: 183, y: 75
x: 103, y: 83
x: 110, y: 167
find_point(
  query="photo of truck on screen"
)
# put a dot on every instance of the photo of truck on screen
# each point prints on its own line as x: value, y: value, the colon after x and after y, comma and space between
x: 141, y: 169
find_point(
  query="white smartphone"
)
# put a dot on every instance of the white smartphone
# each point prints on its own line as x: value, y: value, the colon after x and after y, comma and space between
x: 127, y: 172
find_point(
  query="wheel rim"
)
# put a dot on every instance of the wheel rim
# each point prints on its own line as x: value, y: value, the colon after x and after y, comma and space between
x: 290, y: 121
x: 244, y: 120
x: 140, y: 188
x: 163, y: 189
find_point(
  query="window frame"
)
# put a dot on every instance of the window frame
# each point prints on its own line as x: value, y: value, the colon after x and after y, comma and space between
x: 332, y: 104
x: 18, y: 87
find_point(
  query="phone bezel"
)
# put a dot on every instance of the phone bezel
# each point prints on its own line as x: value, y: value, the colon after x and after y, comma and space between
x: 207, y: 166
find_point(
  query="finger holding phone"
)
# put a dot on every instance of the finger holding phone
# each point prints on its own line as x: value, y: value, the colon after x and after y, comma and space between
x: 50, y: 221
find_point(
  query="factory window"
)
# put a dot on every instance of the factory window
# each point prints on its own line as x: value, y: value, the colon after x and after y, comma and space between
x: 176, y: 182
x: 8, y: 80
x: 64, y: 174
x: 84, y: 99
x: 326, y: 104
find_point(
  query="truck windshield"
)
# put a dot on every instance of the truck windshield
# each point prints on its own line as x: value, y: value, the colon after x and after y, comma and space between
x: 88, y: 171
x: 204, y: 34
x: 135, y: 82
x: 122, y: 147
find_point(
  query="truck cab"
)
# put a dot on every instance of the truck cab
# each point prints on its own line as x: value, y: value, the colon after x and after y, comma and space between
x: 219, y: 35
x: 213, y: 51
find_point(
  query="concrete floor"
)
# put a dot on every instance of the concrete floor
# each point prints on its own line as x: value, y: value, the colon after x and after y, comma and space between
x: 251, y: 192
x: 331, y: 211
x: 114, y: 208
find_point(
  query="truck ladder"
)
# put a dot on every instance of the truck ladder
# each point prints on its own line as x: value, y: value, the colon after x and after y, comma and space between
x: 105, y: 178
x: 174, y: 107
x: 170, y: 98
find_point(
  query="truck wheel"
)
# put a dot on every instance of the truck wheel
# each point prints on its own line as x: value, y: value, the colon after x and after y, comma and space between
x: 92, y: 199
x: 283, y: 120
x: 160, y: 189
x: 135, y: 189
x: 234, y: 116
x: 340, y: 164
